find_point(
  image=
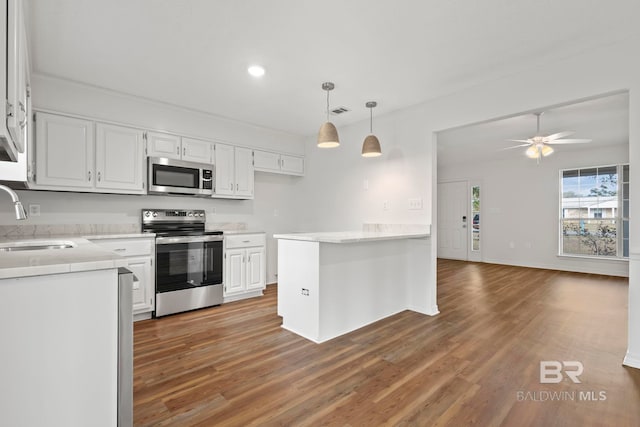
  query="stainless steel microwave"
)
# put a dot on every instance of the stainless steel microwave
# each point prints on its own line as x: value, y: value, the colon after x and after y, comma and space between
x: 169, y: 176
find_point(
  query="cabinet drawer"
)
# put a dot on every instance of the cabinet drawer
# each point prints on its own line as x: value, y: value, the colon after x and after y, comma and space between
x: 244, y: 240
x: 127, y: 247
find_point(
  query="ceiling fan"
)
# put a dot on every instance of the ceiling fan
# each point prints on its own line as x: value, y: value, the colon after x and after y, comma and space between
x: 539, y: 145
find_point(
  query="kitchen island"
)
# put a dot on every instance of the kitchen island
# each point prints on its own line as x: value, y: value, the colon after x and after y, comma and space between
x: 59, y: 311
x: 333, y: 283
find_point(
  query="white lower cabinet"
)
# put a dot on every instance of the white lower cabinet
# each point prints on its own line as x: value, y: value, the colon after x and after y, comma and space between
x: 245, y: 266
x: 140, y: 254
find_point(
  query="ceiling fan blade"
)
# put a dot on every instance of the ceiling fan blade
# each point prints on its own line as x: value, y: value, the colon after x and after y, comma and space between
x: 528, y: 141
x: 569, y: 141
x: 559, y: 135
x: 517, y: 146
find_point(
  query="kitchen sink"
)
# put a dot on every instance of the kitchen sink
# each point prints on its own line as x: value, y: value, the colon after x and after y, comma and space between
x: 36, y: 245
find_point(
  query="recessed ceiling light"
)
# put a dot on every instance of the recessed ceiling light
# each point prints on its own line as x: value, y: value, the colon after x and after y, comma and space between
x: 256, y: 71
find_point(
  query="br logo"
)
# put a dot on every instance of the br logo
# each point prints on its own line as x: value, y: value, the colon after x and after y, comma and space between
x: 551, y: 371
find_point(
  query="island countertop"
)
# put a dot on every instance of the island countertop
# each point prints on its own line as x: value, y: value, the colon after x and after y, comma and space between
x: 354, y: 236
x: 84, y: 256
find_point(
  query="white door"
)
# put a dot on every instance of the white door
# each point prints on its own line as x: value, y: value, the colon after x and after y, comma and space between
x: 224, y: 169
x: 235, y: 271
x: 244, y: 172
x: 195, y: 150
x: 119, y: 158
x: 64, y: 151
x: 163, y: 145
x: 453, y: 222
x: 256, y: 268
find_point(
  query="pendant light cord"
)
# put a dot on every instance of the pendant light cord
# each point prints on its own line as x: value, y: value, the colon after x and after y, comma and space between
x: 371, y: 120
x: 327, y: 105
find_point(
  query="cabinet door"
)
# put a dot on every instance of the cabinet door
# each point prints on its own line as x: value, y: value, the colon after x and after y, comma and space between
x: 143, y: 288
x: 256, y: 268
x: 234, y: 281
x: 292, y: 164
x: 16, y: 86
x: 163, y: 145
x: 119, y: 158
x: 244, y: 172
x: 266, y: 161
x: 224, y: 169
x: 64, y: 151
x: 195, y: 150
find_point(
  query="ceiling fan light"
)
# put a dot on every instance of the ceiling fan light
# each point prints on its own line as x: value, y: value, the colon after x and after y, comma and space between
x: 328, y: 136
x: 546, y: 150
x: 371, y: 147
x: 532, y: 152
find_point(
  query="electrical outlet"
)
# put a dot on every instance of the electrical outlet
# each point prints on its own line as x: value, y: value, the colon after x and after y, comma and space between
x: 365, y: 184
x: 385, y: 205
x: 415, y: 204
x: 34, y: 210
x: 275, y: 212
x: 305, y: 292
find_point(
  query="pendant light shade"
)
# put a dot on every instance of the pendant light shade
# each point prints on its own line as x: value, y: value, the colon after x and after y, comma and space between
x: 328, y: 134
x: 371, y: 144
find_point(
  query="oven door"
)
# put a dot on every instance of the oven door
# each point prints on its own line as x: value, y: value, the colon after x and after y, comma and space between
x: 188, y: 262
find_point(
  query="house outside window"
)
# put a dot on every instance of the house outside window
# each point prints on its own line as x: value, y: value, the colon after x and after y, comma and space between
x: 594, y: 211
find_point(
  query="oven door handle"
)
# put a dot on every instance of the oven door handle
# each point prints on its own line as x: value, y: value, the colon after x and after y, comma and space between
x: 187, y: 239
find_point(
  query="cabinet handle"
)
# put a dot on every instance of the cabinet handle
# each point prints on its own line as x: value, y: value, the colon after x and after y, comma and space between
x: 237, y: 187
x: 99, y: 176
x: 231, y: 186
x: 184, y: 151
x: 282, y: 164
x: 178, y: 151
x: 119, y: 249
x: 89, y: 173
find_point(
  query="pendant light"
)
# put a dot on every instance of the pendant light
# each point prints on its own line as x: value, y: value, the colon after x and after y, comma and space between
x: 371, y: 145
x: 328, y: 134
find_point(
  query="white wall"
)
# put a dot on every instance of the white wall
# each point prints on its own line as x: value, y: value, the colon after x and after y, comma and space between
x: 332, y: 193
x: 520, y: 208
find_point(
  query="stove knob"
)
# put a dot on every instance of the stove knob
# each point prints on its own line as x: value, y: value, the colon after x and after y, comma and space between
x: 155, y: 214
x: 147, y: 214
x: 190, y: 214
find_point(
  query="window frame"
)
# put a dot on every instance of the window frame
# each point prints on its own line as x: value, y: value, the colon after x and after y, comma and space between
x: 621, y: 221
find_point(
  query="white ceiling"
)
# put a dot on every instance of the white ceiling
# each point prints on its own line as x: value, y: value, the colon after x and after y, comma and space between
x: 605, y: 121
x: 194, y: 53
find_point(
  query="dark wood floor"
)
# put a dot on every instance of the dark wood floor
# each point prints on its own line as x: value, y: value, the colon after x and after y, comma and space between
x: 477, y: 363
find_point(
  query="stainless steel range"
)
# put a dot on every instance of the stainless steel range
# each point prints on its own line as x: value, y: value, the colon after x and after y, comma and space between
x: 188, y: 260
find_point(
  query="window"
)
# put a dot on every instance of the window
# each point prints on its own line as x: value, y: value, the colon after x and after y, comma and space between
x: 475, y: 214
x: 590, y: 217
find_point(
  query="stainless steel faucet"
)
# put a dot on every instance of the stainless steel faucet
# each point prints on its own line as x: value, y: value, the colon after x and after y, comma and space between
x: 20, y: 213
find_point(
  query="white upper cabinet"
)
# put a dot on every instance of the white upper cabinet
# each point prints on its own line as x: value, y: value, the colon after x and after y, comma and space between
x: 64, y: 151
x: 164, y: 145
x: 176, y: 147
x: 234, y: 176
x: 267, y: 161
x: 224, y: 170
x: 14, y: 88
x: 119, y: 158
x: 244, y: 172
x: 69, y: 158
x: 196, y: 150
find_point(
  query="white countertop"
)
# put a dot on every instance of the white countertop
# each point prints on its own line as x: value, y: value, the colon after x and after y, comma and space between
x: 352, y: 236
x: 85, y: 256
x: 235, y: 232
